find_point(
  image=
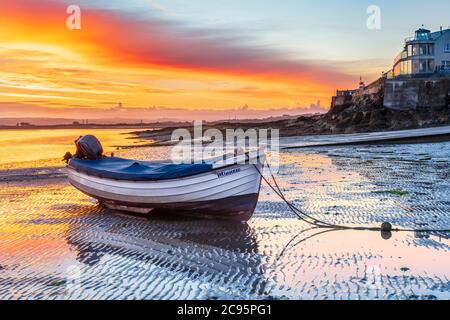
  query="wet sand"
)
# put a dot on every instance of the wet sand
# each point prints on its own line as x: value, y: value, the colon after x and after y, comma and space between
x: 57, y: 243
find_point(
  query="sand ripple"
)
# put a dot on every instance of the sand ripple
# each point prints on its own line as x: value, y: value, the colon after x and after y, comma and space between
x: 56, y: 243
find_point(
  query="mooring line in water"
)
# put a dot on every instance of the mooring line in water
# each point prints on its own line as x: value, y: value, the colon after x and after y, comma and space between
x: 385, y: 227
x: 295, y: 237
x: 304, y: 239
x: 299, y: 213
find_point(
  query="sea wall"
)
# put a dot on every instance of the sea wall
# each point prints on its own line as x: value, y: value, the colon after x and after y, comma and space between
x: 413, y: 94
x: 369, y: 92
x: 401, y: 94
x: 372, y: 89
x: 341, y: 100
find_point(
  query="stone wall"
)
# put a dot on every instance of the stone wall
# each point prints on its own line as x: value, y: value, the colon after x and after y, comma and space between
x: 370, y: 91
x: 401, y: 94
x: 341, y: 100
x: 412, y: 94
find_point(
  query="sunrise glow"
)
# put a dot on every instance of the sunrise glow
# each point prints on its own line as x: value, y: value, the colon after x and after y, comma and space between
x: 145, y: 56
x: 142, y: 63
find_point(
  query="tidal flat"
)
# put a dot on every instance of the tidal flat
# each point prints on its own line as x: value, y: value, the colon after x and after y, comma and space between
x: 56, y: 243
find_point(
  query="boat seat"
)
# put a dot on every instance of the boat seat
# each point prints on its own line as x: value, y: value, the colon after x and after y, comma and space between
x: 132, y: 170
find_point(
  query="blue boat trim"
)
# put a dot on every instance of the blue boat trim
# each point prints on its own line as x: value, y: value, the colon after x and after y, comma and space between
x: 131, y: 170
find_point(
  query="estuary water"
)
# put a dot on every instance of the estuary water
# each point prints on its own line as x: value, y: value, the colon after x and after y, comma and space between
x: 48, y: 146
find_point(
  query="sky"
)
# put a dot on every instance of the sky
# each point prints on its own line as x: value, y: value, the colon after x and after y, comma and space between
x: 152, y: 59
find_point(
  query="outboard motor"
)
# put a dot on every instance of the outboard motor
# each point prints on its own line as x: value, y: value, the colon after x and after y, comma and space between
x: 89, y: 148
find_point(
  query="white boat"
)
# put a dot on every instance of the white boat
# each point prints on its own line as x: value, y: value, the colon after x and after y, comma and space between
x: 218, y: 189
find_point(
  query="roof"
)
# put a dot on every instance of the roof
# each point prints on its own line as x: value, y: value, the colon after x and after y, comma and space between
x: 436, y: 35
x: 432, y: 36
x: 422, y: 30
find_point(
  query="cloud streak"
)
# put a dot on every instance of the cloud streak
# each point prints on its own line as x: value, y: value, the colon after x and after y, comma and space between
x: 142, y: 59
x: 164, y: 43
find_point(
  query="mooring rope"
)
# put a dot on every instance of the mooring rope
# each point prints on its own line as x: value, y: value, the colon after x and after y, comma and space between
x: 323, y: 224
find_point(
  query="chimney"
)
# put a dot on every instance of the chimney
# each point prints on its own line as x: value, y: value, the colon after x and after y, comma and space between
x: 441, y: 30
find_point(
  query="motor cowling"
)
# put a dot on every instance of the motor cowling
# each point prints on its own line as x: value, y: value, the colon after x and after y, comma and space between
x: 89, y: 148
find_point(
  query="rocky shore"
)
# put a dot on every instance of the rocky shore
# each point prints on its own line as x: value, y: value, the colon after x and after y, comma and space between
x: 367, y: 114
x: 359, y: 115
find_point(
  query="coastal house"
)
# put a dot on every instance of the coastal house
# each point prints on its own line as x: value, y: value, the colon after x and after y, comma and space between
x: 420, y: 78
x: 426, y: 53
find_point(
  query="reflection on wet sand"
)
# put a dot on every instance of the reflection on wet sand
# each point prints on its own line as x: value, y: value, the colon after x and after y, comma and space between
x: 208, y: 253
x: 180, y: 239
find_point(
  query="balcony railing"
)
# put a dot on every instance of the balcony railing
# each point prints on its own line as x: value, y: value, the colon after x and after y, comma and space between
x: 410, y: 39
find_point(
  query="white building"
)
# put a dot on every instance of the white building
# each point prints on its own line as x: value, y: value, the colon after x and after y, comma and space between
x: 425, y: 53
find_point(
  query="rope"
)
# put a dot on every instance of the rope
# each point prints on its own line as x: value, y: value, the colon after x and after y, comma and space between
x: 323, y: 224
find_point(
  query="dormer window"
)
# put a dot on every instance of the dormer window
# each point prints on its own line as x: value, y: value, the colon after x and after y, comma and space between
x: 446, y: 65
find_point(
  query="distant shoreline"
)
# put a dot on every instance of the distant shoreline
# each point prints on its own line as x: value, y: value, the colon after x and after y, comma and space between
x: 160, y: 124
x: 95, y: 126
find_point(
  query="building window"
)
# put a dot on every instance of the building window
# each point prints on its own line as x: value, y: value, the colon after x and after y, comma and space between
x: 426, y: 65
x: 426, y: 49
x: 423, y: 66
x: 423, y: 49
x: 446, y: 65
x: 447, y: 47
x: 415, y: 66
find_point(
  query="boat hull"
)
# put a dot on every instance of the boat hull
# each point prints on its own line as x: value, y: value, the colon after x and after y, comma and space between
x: 226, y: 193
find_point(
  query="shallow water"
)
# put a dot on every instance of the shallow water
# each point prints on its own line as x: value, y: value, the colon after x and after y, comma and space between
x: 56, y: 243
x: 28, y: 148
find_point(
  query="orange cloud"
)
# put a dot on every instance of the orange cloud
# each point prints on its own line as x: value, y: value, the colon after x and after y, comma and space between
x: 145, y: 61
